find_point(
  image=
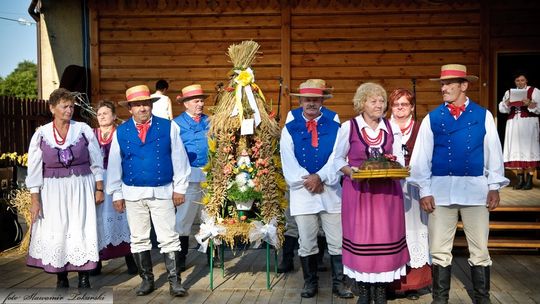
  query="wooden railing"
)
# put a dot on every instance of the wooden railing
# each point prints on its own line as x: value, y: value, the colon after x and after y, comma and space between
x: 19, y: 119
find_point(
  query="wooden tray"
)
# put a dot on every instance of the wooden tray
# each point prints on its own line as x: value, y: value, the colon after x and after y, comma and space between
x: 381, y: 173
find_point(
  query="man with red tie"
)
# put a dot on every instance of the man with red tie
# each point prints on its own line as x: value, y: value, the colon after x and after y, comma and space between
x: 306, y: 144
x: 148, y: 178
x: 194, y: 125
x: 458, y: 165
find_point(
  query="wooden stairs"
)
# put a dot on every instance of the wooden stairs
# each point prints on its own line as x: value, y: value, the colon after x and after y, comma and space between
x: 515, y: 227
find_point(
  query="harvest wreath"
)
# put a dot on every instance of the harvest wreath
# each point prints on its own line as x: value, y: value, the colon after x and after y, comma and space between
x: 244, y: 198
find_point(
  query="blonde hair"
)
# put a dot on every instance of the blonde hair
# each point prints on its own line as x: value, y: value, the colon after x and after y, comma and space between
x: 366, y: 90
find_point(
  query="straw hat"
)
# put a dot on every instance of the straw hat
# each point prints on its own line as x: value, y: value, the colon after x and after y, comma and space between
x: 137, y: 93
x: 454, y: 71
x: 313, y: 88
x: 191, y: 92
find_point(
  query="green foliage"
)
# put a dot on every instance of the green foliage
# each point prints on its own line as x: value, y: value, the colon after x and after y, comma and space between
x: 22, y: 82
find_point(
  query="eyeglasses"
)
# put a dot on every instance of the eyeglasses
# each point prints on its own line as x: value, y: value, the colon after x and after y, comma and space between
x: 403, y: 105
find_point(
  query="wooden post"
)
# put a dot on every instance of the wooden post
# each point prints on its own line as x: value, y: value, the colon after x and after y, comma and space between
x: 285, y: 59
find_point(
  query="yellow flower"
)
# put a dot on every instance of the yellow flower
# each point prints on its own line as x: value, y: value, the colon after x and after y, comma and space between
x: 244, y: 78
x: 250, y: 169
x: 243, y: 166
x: 206, y: 199
x: 204, y: 185
x: 211, y: 145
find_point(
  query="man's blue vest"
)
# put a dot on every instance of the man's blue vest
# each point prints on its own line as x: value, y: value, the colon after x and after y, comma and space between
x: 458, y: 143
x: 147, y: 164
x: 310, y: 158
x: 194, y: 137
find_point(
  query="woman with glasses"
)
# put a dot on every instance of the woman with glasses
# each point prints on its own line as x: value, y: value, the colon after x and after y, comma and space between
x: 402, y: 102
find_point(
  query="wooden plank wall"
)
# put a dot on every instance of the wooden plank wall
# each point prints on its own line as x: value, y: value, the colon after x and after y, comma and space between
x: 344, y: 42
x: 513, y: 28
x: 348, y: 46
x: 182, y: 45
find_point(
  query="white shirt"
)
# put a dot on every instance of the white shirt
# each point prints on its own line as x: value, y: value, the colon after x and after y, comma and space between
x: 34, y: 178
x: 459, y: 190
x: 504, y: 108
x: 343, y: 145
x: 162, y: 106
x: 181, y: 171
x: 301, y: 200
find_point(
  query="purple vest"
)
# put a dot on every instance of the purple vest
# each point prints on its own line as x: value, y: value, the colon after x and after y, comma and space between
x: 359, y: 150
x: 73, y: 160
x: 105, y: 149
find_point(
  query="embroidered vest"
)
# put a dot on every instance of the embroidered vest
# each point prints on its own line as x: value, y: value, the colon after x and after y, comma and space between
x: 310, y: 158
x: 147, y: 164
x: 458, y: 143
x: 194, y: 137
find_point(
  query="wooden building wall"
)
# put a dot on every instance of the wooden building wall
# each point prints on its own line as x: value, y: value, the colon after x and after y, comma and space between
x: 345, y: 42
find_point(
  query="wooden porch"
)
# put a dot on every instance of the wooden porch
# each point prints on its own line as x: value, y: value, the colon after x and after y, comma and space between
x: 513, y: 276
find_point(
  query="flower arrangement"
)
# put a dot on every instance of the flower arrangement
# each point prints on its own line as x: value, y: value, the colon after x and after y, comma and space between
x: 21, y: 160
x: 243, y: 167
x: 243, y: 187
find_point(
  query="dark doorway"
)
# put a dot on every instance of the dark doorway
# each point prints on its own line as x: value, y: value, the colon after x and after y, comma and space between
x: 507, y: 65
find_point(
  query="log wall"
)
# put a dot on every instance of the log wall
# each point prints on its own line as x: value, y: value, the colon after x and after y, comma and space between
x: 344, y: 42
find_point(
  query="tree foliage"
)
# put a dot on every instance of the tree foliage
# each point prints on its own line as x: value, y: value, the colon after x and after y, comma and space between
x: 22, y: 82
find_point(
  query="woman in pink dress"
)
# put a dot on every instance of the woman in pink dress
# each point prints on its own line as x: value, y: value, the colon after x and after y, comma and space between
x: 374, y: 245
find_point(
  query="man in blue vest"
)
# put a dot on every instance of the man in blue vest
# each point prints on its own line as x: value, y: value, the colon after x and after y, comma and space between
x: 457, y: 163
x: 306, y: 144
x: 148, y: 178
x: 194, y: 126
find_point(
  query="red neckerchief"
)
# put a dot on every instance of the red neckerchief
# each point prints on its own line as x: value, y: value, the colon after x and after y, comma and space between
x: 312, y: 128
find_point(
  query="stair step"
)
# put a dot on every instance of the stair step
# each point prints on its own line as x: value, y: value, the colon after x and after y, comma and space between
x: 503, y: 243
x: 517, y: 209
x: 500, y: 225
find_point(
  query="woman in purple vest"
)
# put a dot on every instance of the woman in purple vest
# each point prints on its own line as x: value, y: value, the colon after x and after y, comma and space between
x: 374, y: 245
x: 113, y: 229
x: 65, y: 178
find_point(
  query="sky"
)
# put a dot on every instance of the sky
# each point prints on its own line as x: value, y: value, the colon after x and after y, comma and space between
x: 18, y: 42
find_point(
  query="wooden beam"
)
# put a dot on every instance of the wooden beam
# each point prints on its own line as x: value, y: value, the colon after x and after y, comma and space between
x: 486, y: 70
x: 285, y: 59
x: 95, y: 76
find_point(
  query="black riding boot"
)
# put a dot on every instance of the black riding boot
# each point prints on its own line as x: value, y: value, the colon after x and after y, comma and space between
x: 131, y: 265
x: 144, y: 264
x: 338, y: 279
x: 84, y: 279
x: 379, y: 293
x: 311, y: 281
x: 172, y: 263
x: 441, y: 283
x: 520, y: 183
x: 528, y: 182
x: 184, y: 247
x: 62, y: 280
x: 287, y: 260
x: 480, y: 280
x: 321, y: 243
x: 364, y: 292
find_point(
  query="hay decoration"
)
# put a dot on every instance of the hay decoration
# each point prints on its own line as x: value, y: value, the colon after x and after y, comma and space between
x: 242, y: 99
x: 21, y: 200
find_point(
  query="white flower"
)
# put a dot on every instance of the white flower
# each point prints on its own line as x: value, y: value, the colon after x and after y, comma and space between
x: 243, y: 188
x: 242, y: 179
x: 250, y: 183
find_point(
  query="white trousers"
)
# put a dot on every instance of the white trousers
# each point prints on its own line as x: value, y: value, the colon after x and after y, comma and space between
x: 162, y: 213
x: 442, y: 226
x: 308, y: 228
x: 189, y: 210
